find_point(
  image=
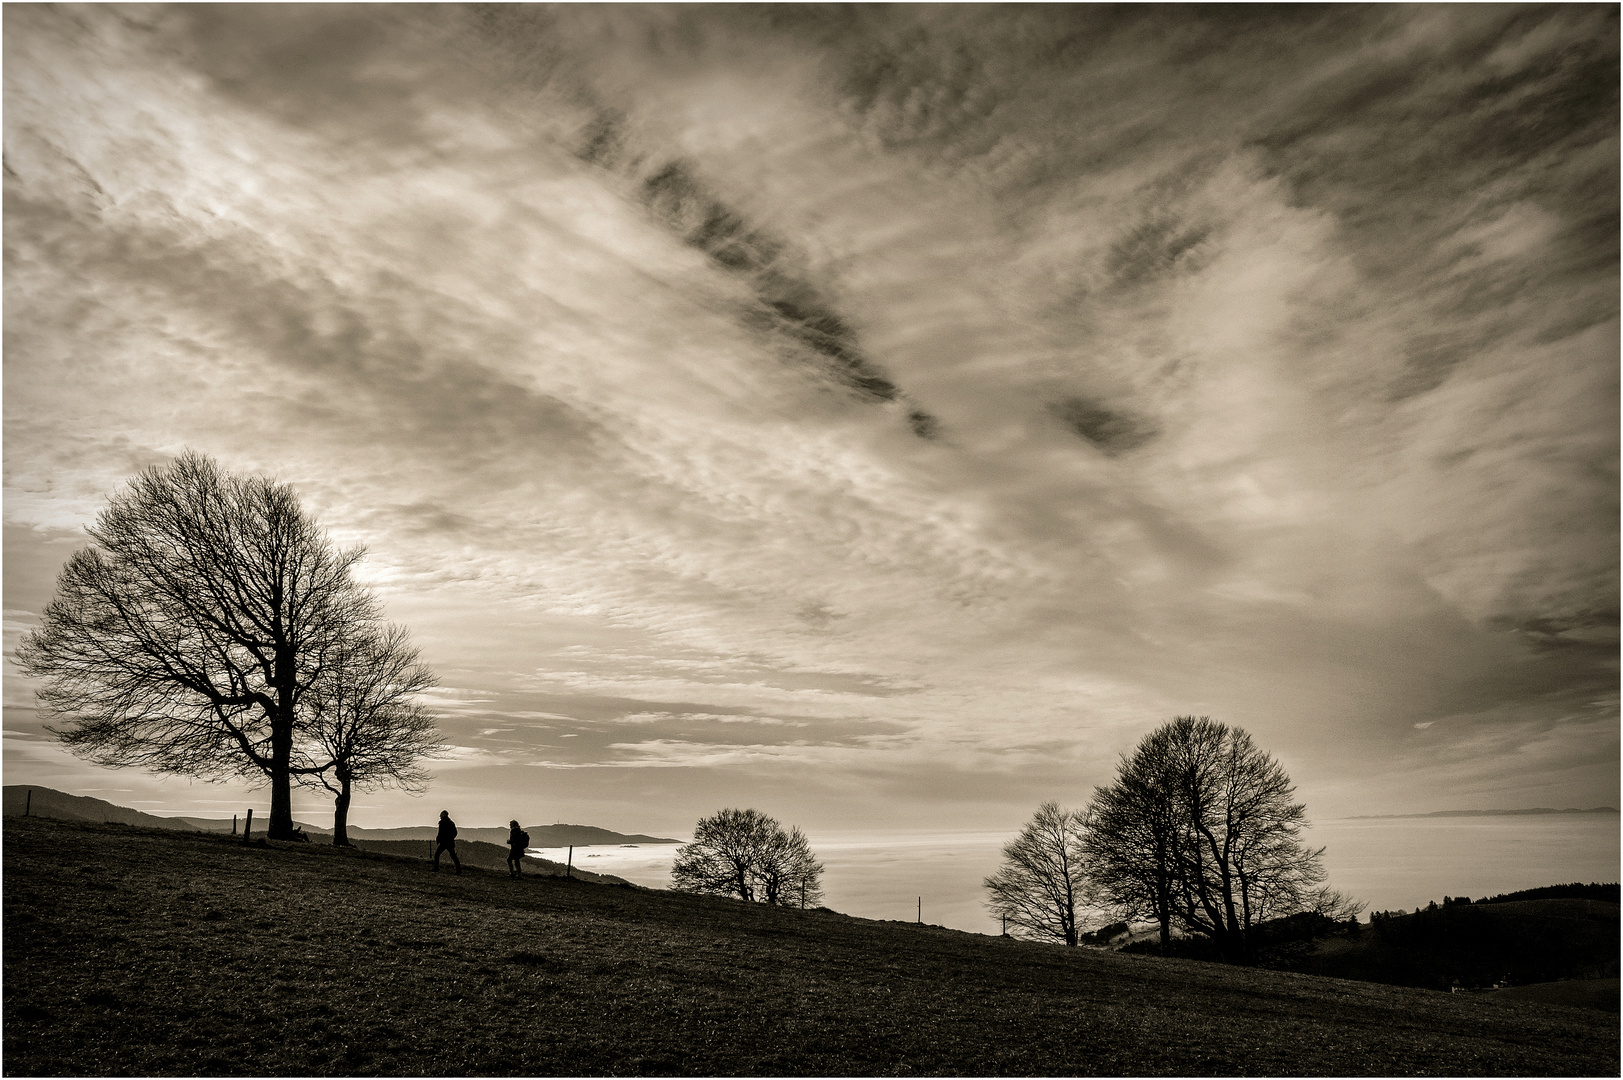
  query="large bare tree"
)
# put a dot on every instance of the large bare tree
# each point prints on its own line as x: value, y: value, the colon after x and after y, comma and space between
x: 1203, y: 822
x: 1135, y: 829
x: 363, y: 718
x: 745, y: 853
x: 1041, y: 884
x: 184, y: 639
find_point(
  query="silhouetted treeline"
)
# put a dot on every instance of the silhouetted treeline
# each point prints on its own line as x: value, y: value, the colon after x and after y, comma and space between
x: 1605, y: 893
x: 1538, y: 935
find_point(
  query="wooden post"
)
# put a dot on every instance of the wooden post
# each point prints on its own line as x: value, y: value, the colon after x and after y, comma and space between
x: 248, y: 825
x: 233, y: 824
x: 921, y: 911
x: 569, y: 867
x: 29, y: 805
x: 1005, y: 926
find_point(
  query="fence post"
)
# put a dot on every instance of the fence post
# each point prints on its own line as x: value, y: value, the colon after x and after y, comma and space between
x: 29, y: 805
x: 248, y: 826
x: 233, y: 824
x: 569, y: 867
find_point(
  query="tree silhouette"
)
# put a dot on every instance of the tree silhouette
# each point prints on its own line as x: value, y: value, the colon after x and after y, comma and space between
x: 1202, y: 822
x: 364, y: 721
x: 788, y: 873
x: 186, y: 637
x: 745, y: 853
x: 1042, y: 882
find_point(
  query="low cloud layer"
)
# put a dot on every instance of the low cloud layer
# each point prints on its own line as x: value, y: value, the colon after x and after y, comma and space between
x: 872, y: 411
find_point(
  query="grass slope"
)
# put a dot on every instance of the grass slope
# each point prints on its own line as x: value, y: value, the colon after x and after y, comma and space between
x: 489, y: 856
x: 131, y: 951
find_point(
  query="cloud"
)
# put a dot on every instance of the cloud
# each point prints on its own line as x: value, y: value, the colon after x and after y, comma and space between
x: 987, y: 384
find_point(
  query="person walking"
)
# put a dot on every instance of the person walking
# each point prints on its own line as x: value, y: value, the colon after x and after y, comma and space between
x: 446, y: 842
x: 517, y: 841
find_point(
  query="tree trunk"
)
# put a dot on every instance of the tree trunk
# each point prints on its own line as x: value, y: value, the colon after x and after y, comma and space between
x: 280, y: 826
x: 340, y: 814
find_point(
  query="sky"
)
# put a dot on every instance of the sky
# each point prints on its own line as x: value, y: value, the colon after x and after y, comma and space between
x: 880, y: 416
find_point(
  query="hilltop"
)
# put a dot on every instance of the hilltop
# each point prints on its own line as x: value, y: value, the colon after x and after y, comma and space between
x: 48, y: 802
x: 150, y: 952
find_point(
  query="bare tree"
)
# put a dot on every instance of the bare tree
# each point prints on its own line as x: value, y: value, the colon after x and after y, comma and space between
x: 723, y: 854
x: 1335, y: 905
x: 1132, y: 841
x: 363, y: 719
x: 745, y: 853
x: 788, y: 873
x: 186, y: 637
x: 1223, y: 809
x: 1042, y: 883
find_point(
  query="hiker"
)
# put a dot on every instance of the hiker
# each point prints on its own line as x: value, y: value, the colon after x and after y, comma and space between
x: 517, y: 841
x: 446, y: 841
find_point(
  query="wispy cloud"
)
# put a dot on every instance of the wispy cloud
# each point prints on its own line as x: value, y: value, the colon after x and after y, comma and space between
x: 960, y: 390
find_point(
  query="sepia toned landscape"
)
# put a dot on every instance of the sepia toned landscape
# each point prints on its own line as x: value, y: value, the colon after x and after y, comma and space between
x: 802, y: 539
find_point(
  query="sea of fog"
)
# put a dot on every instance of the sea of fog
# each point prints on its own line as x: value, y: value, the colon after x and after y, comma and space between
x: 1390, y: 862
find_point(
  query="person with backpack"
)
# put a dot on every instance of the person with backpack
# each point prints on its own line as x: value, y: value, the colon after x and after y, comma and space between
x: 517, y: 841
x: 446, y: 841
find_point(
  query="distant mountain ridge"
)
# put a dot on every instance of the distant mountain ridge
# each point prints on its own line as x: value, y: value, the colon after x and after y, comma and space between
x: 48, y: 802
x: 1490, y: 813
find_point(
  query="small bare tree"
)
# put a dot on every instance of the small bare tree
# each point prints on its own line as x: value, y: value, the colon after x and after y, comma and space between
x: 745, y: 853
x: 1042, y: 883
x: 788, y: 873
x: 365, y: 722
x: 185, y: 638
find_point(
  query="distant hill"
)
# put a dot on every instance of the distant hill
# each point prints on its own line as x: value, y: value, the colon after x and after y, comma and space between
x: 50, y: 803
x: 1490, y: 813
x: 1574, y: 891
x: 541, y: 836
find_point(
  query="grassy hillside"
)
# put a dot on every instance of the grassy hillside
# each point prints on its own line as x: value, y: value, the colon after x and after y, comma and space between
x: 489, y: 856
x: 132, y: 951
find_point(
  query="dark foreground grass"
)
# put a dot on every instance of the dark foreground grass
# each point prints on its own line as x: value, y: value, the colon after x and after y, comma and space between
x: 135, y: 952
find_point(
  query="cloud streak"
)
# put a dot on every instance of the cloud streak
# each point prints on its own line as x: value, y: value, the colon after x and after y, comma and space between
x: 992, y: 382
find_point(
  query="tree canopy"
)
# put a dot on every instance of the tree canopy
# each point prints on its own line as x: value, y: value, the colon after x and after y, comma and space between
x: 746, y: 854
x: 363, y: 718
x: 1042, y: 883
x: 188, y: 637
x: 1200, y: 830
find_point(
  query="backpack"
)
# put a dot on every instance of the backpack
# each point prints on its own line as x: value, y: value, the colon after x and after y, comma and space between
x: 522, y: 841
